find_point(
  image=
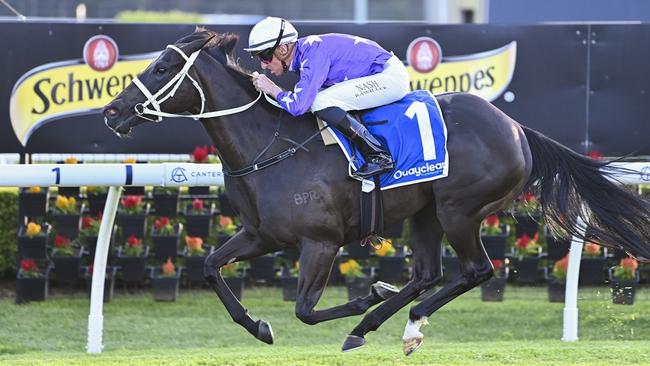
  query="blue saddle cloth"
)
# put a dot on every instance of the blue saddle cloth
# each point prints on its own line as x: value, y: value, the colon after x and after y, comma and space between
x: 416, y: 136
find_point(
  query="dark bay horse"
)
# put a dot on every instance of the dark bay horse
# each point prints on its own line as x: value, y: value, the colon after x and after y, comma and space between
x: 492, y: 159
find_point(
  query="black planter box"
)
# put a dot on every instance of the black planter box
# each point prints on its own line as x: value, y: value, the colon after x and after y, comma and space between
x: 166, y: 246
x: 133, y: 224
x: 96, y: 203
x: 556, y: 290
x: 32, y: 289
x: 450, y: 268
x: 133, y: 269
x: 623, y: 292
x: 90, y: 242
x: 236, y: 285
x: 289, y: 288
x: 69, y: 191
x: 391, y: 269
x: 493, y: 289
x: 495, y: 245
x: 356, y: 251
x: 199, y: 224
x: 526, y: 224
x: 165, y: 288
x: 67, y: 268
x: 358, y: 286
x: 34, y: 247
x: 165, y: 204
x: 133, y: 191
x: 526, y: 270
x: 109, y: 283
x: 225, y: 208
x: 198, y: 190
x: 33, y: 204
x: 194, y: 268
x: 67, y: 225
x: 262, y: 268
x: 593, y: 270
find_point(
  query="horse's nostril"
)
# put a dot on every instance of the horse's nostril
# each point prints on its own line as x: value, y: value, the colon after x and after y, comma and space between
x: 110, y: 112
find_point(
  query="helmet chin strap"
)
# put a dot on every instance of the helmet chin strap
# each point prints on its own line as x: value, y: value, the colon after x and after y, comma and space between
x: 285, y: 68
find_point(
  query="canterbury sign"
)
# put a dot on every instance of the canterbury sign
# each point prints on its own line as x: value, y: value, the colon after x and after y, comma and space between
x: 73, y: 87
x: 486, y: 74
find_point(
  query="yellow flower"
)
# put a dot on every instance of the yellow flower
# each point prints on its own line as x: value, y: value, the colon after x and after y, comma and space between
x: 61, y: 202
x: 350, y: 268
x: 71, y: 160
x: 34, y: 189
x: 33, y: 229
x: 385, y: 248
x: 130, y: 161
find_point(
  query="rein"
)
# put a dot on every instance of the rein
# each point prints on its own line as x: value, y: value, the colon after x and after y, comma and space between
x: 155, y: 100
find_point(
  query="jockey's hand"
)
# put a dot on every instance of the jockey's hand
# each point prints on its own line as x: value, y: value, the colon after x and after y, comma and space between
x: 265, y: 85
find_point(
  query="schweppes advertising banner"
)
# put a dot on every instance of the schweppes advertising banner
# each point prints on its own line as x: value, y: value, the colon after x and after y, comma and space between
x: 63, y: 89
x: 57, y: 77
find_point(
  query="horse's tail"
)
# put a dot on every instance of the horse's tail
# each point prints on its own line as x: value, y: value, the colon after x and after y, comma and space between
x: 571, y: 185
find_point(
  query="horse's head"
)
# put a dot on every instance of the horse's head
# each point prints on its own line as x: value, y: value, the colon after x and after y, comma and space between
x: 169, y: 84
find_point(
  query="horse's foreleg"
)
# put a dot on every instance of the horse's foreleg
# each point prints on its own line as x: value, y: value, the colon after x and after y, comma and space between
x: 316, y: 261
x: 241, y: 246
x: 424, y: 238
x: 463, y: 235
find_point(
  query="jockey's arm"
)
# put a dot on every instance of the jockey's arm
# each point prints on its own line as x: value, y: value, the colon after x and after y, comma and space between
x: 313, y: 72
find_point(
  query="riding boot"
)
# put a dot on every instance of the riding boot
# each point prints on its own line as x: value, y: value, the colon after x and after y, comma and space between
x: 378, y: 159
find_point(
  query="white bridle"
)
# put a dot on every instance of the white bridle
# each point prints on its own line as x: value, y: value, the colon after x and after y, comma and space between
x: 155, y: 99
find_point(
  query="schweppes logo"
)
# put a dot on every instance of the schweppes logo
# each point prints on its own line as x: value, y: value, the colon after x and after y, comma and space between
x: 486, y: 74
x: 63, y: 89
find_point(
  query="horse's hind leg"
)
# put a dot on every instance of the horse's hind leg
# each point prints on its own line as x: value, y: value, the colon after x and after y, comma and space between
x: 424, y: 238
x: 241, y: 246
x: 316, y: 259
x: 463, y: 235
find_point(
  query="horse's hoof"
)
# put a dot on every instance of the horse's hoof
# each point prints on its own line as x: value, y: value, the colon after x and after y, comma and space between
x: 384, y: 290
x: 352, y: 342
x: 412, y: 344
x: 264, y: 332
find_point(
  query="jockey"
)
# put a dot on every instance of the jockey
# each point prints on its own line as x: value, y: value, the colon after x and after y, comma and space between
x: 338, y: 73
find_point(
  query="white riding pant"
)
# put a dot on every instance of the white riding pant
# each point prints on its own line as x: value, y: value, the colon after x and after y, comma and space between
x: 388, y: 86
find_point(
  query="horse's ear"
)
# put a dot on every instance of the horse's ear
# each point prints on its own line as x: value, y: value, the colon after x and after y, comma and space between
x: 197, y: 44
x: 228, y: 43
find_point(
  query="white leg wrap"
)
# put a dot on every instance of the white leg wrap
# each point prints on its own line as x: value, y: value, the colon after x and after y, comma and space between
x: 412, y: 329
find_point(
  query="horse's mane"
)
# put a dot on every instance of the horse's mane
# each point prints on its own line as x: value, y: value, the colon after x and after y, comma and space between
x: 220, y: 44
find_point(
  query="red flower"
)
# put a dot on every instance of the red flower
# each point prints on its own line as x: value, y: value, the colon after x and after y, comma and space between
x: 161, y: 223
x: 87, y: 222
x: 197, y: 204
x: 213, y: 150
x: 28, y: 265
x: 61, y: 241
x: 497, y: 264
x: 523, y: 241
x: 529, y: 197
x: 133, y: 241
x: 629, y: 263
x: 492, y: 220
x: 90, y: 268
x: 131, y: 201
x: 200, y: 154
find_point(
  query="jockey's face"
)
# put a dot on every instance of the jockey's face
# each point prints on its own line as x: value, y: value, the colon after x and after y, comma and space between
x: 275, y: 65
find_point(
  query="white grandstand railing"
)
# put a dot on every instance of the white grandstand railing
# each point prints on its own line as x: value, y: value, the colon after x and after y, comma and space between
x: 105, y: 158
x: 186, y: 174
x: 9, y: 159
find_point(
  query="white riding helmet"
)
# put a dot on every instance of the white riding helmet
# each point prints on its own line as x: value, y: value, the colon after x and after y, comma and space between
x: 271, y: 32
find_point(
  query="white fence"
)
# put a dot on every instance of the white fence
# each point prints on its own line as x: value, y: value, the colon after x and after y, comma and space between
x: 185, y: 174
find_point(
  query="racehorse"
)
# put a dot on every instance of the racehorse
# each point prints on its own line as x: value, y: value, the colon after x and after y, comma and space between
x: 492, y: 160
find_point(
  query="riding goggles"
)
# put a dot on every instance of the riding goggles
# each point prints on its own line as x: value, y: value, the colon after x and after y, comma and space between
x: 266, y: 56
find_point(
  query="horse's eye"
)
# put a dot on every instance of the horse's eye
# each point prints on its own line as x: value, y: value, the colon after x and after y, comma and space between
x: 160, y: 70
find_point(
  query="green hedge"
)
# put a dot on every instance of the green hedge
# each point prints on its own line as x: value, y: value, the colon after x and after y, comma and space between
x: 8, y: 231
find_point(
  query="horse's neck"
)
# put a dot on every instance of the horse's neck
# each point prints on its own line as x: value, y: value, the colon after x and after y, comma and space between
x: 240, y: 137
